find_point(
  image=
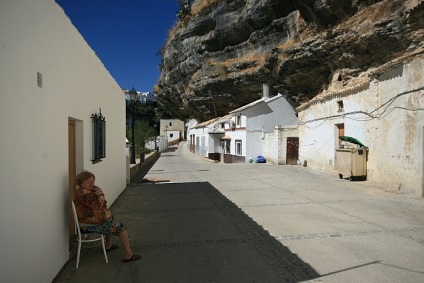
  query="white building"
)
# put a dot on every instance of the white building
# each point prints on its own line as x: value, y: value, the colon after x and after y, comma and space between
x: 207, y: 138
x: 253, y: 123
x: 172, y: 129
x: 384, y: 110
x: 142, y: 97
x: 190, y: 134
x: 51, y: 82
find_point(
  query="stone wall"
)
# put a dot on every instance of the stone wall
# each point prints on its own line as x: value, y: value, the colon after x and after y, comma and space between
x: 149, y: 159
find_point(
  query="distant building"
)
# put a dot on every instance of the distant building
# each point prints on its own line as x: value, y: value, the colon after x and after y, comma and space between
x: 143, y: 97
x: 173, y: 129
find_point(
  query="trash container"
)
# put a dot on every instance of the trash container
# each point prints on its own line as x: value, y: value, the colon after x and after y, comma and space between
x: 351, y: 161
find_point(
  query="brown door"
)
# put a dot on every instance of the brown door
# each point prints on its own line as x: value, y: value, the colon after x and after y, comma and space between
x: 292, y: 151
x: 340, y: 132
x: 72, y: 174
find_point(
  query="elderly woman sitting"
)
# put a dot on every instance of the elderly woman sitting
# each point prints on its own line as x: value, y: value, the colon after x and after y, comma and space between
x: 94, y: 216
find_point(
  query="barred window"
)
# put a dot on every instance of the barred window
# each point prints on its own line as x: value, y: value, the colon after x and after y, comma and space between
x: 98, y: 137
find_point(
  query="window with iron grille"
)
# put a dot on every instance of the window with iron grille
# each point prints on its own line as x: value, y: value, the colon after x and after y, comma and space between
x: 98, y: 122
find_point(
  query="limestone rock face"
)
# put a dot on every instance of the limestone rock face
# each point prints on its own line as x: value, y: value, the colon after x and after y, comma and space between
x: 218, y: 59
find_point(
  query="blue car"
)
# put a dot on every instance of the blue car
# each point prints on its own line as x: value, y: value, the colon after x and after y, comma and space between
x: 260, y: 159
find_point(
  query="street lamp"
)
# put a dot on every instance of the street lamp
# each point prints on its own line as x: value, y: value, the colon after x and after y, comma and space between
x: 133, y: 95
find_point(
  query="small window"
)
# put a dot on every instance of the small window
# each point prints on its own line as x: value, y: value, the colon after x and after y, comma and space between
x: 238, y: 147
x: 340, y: 106
x: 238, y: 120
x: 171, y: 135
x: 170, y: 123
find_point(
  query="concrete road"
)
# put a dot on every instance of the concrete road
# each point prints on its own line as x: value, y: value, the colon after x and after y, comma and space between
x: 198, y: 221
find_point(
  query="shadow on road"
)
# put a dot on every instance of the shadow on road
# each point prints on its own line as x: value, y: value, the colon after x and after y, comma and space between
x: 190, y: 232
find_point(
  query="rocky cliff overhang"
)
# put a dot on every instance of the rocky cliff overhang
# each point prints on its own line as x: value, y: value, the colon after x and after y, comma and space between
x: 218, y: 59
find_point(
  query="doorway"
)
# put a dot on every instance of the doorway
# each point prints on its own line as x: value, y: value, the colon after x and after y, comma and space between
x: 292, y: 154
x: 71, y: 174
x: 340, y: 130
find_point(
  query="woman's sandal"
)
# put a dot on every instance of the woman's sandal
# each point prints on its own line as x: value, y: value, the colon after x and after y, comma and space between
x: 113, y: 247
x: 133, y: 258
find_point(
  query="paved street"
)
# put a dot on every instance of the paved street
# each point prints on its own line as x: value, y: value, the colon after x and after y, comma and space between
x: 198, y: 221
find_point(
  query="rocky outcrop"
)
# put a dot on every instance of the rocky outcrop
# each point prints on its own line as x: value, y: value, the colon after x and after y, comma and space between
x: 220, y: 57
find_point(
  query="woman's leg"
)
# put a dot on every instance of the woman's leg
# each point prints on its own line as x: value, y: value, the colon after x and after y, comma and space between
x: 108, y: 242
x: 126, y: 244
x: 117, y: 228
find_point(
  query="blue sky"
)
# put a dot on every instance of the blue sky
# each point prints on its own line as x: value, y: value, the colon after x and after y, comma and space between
x: 126, y: 35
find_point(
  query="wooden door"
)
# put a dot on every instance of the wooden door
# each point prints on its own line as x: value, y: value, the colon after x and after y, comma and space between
x: 340, y: 132
x: 292, y: 154
x: 72, y: 173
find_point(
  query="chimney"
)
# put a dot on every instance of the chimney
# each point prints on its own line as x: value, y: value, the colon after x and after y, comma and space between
x: 265, y: 88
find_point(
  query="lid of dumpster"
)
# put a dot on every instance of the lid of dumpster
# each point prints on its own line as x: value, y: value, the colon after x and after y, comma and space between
x: 351, y: 140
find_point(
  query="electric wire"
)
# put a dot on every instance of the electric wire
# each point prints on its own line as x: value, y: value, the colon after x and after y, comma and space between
x: 370, y: 116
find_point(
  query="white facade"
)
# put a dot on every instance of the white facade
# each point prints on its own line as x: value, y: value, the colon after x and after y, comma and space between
x: 172, y: 135
x: 384, y: 112
x: 275, y: 143
x: 37, y: 37
x: 189, y: 126
x: 207, y: 137
x: 257, y: 123
x: 171, y: 125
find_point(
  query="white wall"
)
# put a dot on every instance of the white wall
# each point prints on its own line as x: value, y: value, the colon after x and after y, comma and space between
x: 36, y: 36
x: 173, y: 135
x: 274, y: 144
x: 400, y: 132
x: 200, y: 146
x: 237, y: 135
x: 285, y: 132
x: 393, y: 132
x: 319, y: 136
x: 171, y: 125
x: 261, y: 120
x: 189, y: 128
x: 270, y: 147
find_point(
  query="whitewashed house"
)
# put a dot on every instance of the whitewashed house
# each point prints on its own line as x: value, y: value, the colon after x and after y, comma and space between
x: 207, y: 137
x: 384, y: 109
x: 281, y: 146
x: 173, y: 130
x: 254, y: 124
x: 51, y: 84
x: 190, y: 124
